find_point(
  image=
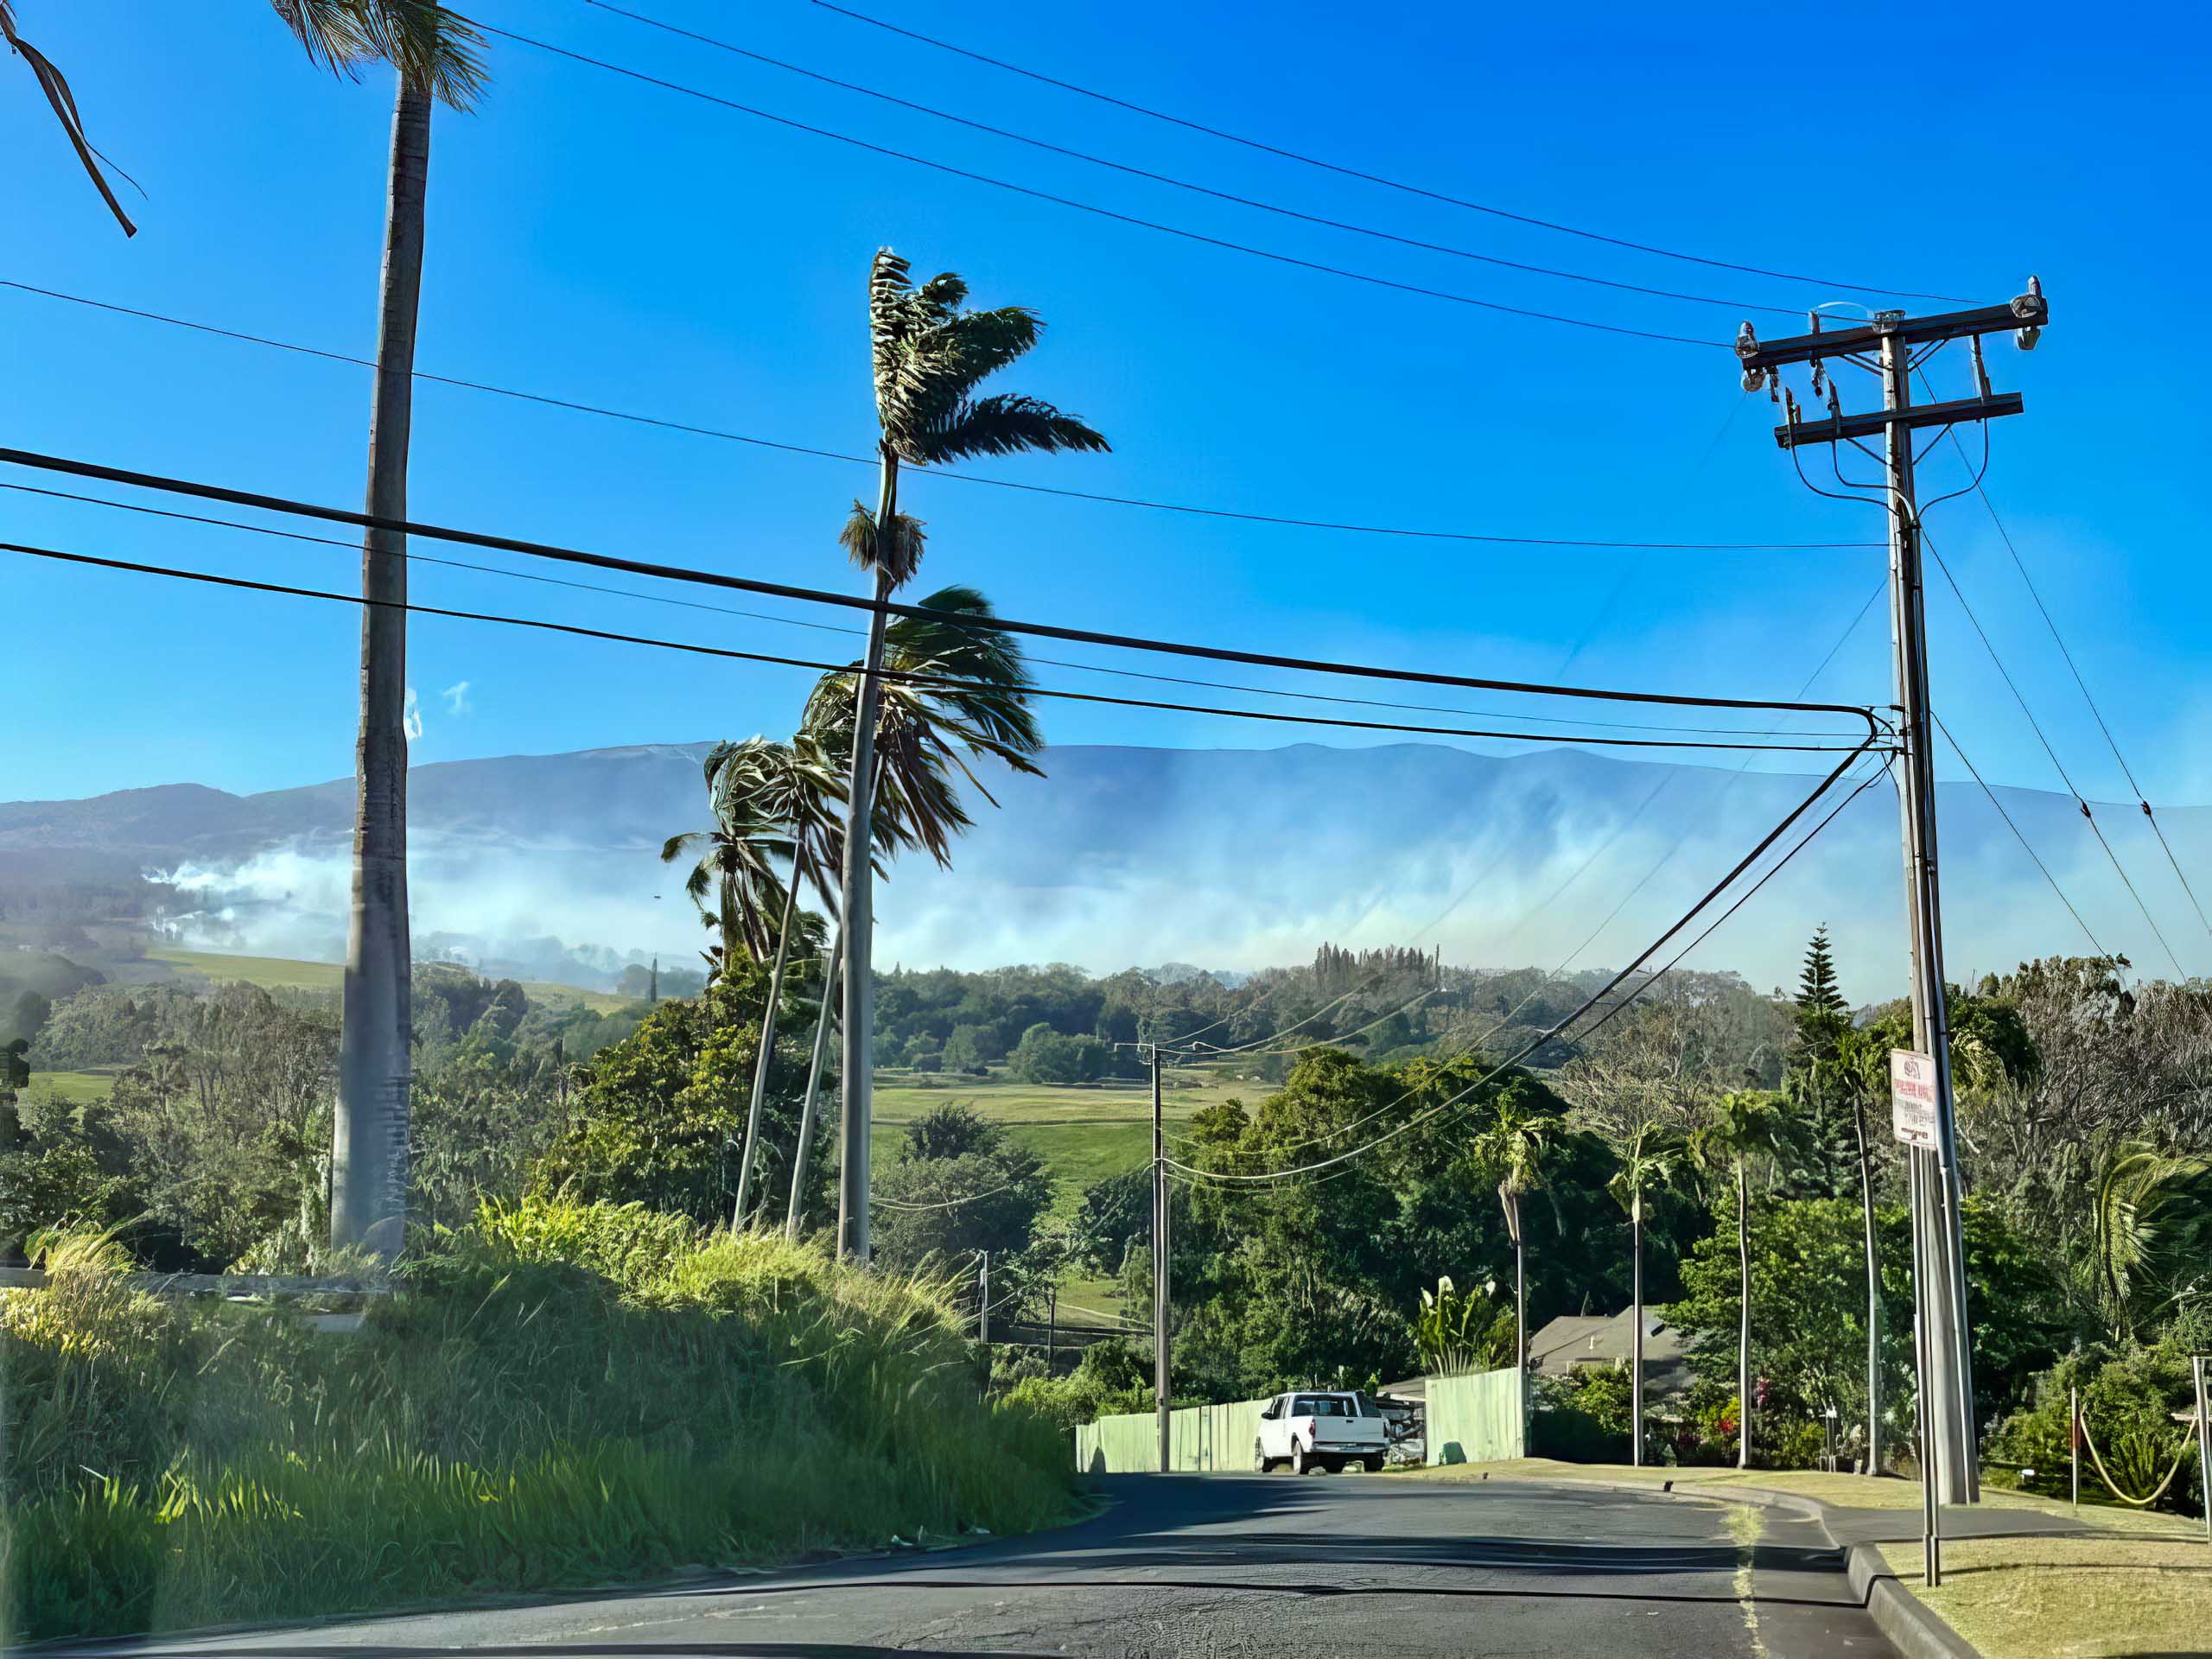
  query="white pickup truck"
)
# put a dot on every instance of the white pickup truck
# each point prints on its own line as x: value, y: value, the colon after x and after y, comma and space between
x: 1309, y: 1427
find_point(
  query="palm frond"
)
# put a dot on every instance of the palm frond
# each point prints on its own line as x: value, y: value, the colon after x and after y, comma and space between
x: 1007, y: 425
x: 430, y: 46
x: 899, y: 556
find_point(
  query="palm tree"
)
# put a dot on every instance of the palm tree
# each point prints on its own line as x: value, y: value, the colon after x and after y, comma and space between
x: 435, y: 56
x: 928, y: 355
x: 64, y: 105
x: 791, y: 784
x: 2151, y: 1231
x: 1649, y: 1158
x: 1514, y: 1148
x: 1745, y: 1133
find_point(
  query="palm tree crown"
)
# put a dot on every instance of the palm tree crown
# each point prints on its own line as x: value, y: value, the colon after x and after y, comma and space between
x: 770, y: 803
x: 965, y: 697
x: 929, y: 355
x: 432, y: 47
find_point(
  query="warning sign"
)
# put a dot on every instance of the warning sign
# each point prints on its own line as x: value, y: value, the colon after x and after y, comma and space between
x: 1912, y: 1098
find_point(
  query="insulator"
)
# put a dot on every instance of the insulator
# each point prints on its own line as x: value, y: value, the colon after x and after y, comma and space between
x: 1819, y: 375
x: 1754, y: 378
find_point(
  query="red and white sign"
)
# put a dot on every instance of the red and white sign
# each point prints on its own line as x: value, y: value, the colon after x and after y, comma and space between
x: 1912, y: 1098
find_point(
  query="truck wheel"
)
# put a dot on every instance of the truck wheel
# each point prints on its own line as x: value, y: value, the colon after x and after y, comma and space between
x: 1374, y: 1464
x: 1260, y: 1460
x: 1301, y: 1462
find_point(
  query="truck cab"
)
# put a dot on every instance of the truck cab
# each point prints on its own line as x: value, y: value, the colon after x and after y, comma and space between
x: 1326, y: 1429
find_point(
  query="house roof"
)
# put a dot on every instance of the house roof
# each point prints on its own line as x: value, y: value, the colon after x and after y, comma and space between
x: 1585, y: 1338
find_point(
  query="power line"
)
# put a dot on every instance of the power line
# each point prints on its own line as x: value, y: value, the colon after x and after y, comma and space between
x: 1370, y: 178
x: 1181, y: 183
x: 1603, y: 991
x: 720, y: 434
x: 2018, y: 835
x: 1104, y: 213
x: 136, y: 568
x: 848, y: 601
x: 2080, y: 801
x: 831, y: 627
x: 2141, y: 798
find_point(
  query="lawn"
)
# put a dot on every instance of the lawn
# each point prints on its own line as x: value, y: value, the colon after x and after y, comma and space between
x: 74, y: 1086
x: 2105, y: 1594
x: 270, y: 973
x: 1084, y: 1133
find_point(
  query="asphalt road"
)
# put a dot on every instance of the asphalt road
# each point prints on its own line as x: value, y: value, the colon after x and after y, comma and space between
x: 1221, y: 1567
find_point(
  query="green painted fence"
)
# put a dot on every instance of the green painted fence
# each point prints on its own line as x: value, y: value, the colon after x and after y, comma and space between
x: 1471, y: 1420
x: 1476, y: 1418
x: 1198, y: 1437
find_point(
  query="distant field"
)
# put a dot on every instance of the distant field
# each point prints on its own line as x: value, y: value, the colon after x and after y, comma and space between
x: 270, y: 973
x: 1084, y: 1135
x: 74, y: 1085
x: 282, y: 973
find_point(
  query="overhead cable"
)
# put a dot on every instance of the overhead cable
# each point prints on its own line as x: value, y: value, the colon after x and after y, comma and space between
x: 138, y: 568
x: 2018, y: 835
x: 2080, y: 800
x: 1603, y: 991
x: 692, y: 430
x: 413, y: 557
x: 1374, y: 178
x: 1230, y: 196
x: 848, y: 602
x: 1164, y: 228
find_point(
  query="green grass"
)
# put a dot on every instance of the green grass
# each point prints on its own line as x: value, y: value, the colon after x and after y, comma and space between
x: 74, y: 1086
x: 283, y: 973
x: 564, y: 1394
x: 270, y: 973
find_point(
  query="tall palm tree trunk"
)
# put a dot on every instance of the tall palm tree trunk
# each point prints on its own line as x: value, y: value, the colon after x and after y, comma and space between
x: 762, y: 1060
x: 800, y: 1155
x: 1873, y: 1300
x: 1743, y: 1321
x: 370, y: 1130
x: 856, y: 905
x: 1636, y: 1333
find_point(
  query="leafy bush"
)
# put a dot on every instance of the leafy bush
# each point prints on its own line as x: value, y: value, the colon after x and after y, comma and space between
x: 564, y: 1393
x: 2128, y: 1399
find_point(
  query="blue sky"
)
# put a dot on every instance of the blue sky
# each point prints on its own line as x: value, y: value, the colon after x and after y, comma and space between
x: 600, y: 240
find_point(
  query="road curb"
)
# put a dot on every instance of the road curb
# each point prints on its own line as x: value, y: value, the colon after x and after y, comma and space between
x: 1913, y: 1627
x: 1911, y: 1624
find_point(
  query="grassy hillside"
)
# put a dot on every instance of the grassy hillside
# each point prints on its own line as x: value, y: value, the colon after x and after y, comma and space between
x: 563, y: 1396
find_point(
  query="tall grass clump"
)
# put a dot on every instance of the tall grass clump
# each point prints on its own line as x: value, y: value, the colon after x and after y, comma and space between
x: 562, y: 1394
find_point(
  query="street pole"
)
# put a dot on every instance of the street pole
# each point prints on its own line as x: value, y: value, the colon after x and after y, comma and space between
x: 1636, y: 1336
x: 1955, y: 1470
x: 2073, y: 1435
x: 2203, y: 1445
x: 1886, y: 345
x: 1160, y: 1384
x: 1931, y: 1509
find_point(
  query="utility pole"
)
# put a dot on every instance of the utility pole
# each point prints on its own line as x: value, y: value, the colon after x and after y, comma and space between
x: 1885, y: 347
x: 1160, y: 1388
x: 2203, y: 1444
x: 983, y: 1304
x: 1051, y: 1326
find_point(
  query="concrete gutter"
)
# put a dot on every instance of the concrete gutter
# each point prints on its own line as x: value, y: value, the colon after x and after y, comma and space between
x: 1913, y: 1627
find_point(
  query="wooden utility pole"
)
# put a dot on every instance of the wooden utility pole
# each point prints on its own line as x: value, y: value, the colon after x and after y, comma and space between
x: 1159, y: 1383
x: 1885, y: 348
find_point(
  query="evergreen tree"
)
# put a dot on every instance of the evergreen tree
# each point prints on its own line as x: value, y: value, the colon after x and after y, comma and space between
x: 1816, y: 987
